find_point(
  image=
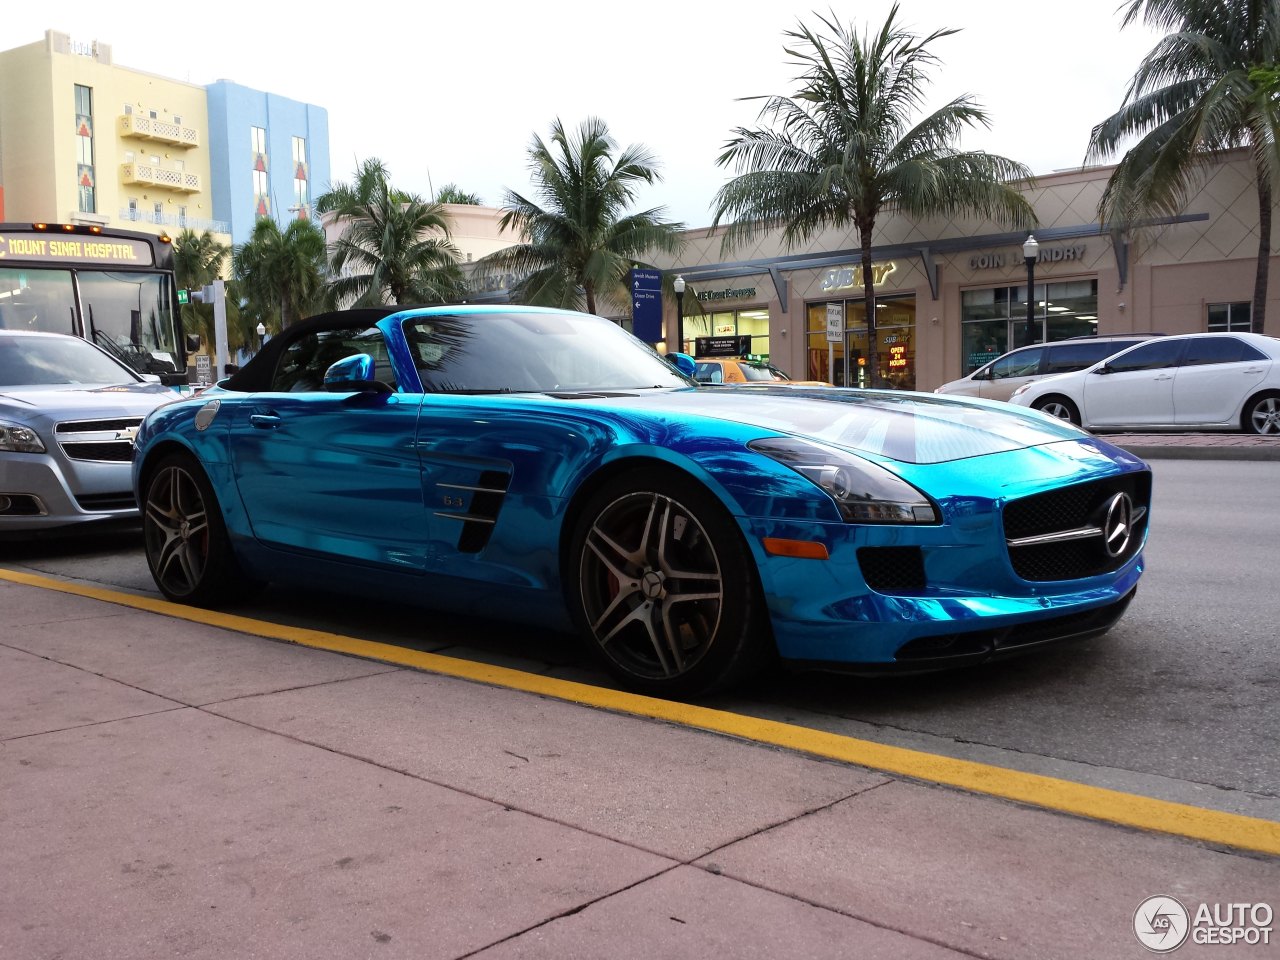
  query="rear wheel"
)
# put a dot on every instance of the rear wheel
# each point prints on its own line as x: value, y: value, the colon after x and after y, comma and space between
x: 186, y: 541
x: 1059, y: 407
x: 1262, y: 415
x: 663, y: 587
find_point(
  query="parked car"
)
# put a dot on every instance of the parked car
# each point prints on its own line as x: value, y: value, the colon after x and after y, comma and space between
x: 68, y: 414
x: 1196, y: 381
x: 738, y: 370
x: 546, y: 467
x: 998, y: 379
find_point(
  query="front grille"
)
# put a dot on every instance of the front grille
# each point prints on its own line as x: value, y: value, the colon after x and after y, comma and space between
x: 104, y: 441
x: 892, y: 569
x: 107, y: 501
x: 1070, y: 521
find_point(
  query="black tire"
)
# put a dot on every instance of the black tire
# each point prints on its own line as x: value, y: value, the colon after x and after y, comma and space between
x: 1261, y: 415
x: 663, y: 588
x: 1058, y: 406
x: 186, y: 540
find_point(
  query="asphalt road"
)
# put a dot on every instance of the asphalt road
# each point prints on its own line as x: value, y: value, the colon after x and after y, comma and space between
x: 1179, y: 701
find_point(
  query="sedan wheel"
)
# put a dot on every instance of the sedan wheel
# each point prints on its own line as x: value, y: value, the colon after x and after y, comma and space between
x: 665, y: 589
x: 186, y: 541
x: 1059, y: 407
x: 1263, y: 415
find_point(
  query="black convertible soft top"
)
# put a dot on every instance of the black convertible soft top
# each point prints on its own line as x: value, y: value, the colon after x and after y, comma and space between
x: 255, y: 376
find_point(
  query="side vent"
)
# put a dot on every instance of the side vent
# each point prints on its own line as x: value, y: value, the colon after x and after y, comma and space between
x: 483, y: 502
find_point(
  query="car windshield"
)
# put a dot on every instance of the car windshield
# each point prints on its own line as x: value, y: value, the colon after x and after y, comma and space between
x: 532, y: 352
x: 55, y: 361
x: 759, y: 371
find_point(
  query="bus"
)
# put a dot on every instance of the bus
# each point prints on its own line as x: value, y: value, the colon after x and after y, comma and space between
x: 115, y: 288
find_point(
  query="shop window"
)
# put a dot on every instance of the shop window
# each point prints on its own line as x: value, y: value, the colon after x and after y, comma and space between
x: 994, y: 320
x: 895, y: 344
x: 730, y: 323
x: 1231, y: 317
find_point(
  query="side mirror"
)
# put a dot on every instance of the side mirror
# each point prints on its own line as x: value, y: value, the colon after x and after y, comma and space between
x: 1104, y: 368
x: 682, y: 362
x: 353, y: 374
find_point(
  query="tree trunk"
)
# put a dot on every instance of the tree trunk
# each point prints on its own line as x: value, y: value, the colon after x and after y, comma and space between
x: 869, y: 299
x: 590, y: 291
x: 1264, y: 253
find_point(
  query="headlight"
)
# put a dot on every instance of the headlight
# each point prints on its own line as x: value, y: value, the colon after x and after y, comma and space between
x: 864, y: 491
x: 19, y: 439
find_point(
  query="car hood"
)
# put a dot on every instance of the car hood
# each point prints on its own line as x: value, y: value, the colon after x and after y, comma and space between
x: 63, y: 402
x: 908, y: 427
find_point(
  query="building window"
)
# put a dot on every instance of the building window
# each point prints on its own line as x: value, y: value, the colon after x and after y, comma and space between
x: 133, y: 208
x: 994, y: 320
x: 182, y: 216
x: 729, y: 323
x: 157, y: 210
x: 128, y: 109
x: 152, y: 114
x: 88, y: 200
x: 301, y: 195
x: 1233, y: 317
x: 177, y: 120
x: 261, y: 190
x: 895, y: 344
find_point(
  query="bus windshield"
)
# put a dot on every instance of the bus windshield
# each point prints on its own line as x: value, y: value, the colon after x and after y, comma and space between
x: 114, y: 288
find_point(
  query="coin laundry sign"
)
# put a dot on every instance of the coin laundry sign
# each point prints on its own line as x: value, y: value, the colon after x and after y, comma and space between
x: 996, y: 259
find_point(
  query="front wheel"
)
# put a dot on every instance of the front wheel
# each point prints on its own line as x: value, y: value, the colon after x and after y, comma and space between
x: 663, y: 587
x: 186, y: 541
x: 1059, y: 407
x: 1262, y: 415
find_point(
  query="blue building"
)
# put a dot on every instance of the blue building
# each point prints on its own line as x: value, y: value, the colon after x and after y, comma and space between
x: 269, y: 156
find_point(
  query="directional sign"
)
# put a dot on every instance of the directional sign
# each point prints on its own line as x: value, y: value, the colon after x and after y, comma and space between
x: 182, y: 296
x: 646, y: 305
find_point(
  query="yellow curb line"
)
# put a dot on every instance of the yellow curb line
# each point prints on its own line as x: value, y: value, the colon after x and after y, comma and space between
x: 1050, y: 793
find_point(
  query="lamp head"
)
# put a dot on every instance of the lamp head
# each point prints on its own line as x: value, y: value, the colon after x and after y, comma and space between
x: 678, y: 285
x: 1031, y: 248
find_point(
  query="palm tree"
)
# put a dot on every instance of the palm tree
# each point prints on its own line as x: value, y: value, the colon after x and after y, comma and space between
x: 1209, y: 86
x: 452, y: 193
x: 844, y: 149
x: 394, y: 247
x: 198, y: 260
x: 581, y: 241
x: 281, y: 270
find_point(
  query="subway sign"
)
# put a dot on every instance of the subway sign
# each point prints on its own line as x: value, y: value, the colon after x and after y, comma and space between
x: 74, y: 248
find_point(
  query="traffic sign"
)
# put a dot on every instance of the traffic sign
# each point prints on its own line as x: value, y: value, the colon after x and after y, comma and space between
x: 646, y: 305
x: 182, y: 297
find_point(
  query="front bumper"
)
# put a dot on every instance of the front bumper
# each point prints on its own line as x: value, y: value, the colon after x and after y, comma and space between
x: 45, y: 493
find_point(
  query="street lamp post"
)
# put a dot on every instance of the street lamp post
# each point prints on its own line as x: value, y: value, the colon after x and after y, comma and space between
x: 678, y: 286
x: 1030, y: 250
x: 262, y: 332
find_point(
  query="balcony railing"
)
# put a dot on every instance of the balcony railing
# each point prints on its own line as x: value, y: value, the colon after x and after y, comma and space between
x: 133, y: 125
x: 179, y: 221
x: 152, y: 176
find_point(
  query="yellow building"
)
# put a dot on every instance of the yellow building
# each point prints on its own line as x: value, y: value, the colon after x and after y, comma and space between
x: 85, y: 141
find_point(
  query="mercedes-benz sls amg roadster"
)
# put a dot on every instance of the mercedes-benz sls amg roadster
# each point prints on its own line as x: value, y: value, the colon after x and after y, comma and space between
x: 547, y: 467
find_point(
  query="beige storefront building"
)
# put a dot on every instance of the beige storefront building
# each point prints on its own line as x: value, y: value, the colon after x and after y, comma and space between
x: 952, y: 294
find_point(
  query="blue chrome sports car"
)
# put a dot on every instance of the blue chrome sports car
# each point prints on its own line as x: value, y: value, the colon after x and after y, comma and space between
x: 547, y: 467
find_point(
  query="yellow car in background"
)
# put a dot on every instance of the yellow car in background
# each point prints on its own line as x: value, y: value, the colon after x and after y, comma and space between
x: 738, y: 370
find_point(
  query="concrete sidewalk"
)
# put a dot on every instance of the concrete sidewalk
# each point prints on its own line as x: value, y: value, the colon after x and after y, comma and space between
x: 175, y: 789
x: 1198, y: 446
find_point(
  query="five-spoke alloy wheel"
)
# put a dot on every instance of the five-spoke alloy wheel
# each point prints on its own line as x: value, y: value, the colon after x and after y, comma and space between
x: 1262, y: 415
x: 184, y: 535
x: 665, y: 589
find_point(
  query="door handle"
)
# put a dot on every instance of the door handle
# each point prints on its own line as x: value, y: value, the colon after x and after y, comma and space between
x: 1163, y: 376
x: 265, y: 421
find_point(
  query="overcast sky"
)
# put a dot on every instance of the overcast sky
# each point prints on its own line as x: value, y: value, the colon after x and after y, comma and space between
x: 453, y: 93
